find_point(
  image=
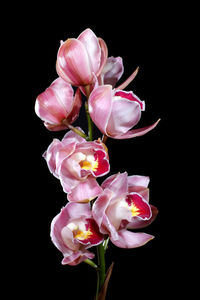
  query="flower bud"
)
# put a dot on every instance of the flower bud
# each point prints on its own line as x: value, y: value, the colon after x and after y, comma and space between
x: 58, y: 105
x: 80, y: 60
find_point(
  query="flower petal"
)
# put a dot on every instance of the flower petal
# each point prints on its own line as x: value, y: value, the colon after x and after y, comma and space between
x: 137, y: 223
x: 136, y: 132
x: 112, y: 70
x: 92, y: 237
x: 124, y: 115
x: 117, y: 183
x: 73, y: 63
x: 77, y: 257
x: 73, y: 115
x: 104, y: 55
x: 91, y: 43
x: 127, y: 239
x: 100, y: 105
x: 85, y: 191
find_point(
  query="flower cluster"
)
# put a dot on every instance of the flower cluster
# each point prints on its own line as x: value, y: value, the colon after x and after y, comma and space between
x: 93, y: 212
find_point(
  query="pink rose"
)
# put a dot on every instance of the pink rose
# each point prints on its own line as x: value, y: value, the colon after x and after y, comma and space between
x: 73, y: 231
x: 124, y: 204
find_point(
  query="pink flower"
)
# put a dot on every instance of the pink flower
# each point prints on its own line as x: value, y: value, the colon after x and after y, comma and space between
x: 73, y: 231
x: 77, y: 163
x: 115, y: 112
x: 80, y: 60
x: 58, y: 103
x: 124, y: 205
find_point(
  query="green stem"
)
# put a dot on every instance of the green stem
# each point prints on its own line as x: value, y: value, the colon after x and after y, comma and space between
x: 91, y: 263
x: 101, y: 270
x: 76, y: 130
x: 90, y: 124
x: 101, y: 263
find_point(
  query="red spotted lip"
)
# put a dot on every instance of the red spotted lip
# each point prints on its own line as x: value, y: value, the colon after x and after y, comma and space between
x: 94, y: 236
x: 103, y: 166
x: 139, y: 206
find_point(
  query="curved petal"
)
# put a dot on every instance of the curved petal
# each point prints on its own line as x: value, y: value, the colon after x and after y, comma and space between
x: 100, y: 105
x: 91, y: 43
x: 73, y: 63
x: 104, y: 55
x: 117, y: 183
x: 138, y: 180
x: 127, y: 239
x: 136, y: 132
x: 112, y: 70
x: 124, y: 115
x: 69, y: 174
x: 50, y: 156
x: 77, y: 257
x: 85, y: 191
x: 100, y: 205
x: 71, y: 136
x: 73, y: 115
x: 137, y: 223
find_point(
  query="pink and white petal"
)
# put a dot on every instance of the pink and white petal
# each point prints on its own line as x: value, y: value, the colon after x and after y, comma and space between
x: 130, y: 96
x: 55, y: 127
x: 57, y: 224
x: 50, y: 156
x: 100, y: 105
x: 112, y: 70
x: 124, y: 115
x: 138, y: 180
x: 77, y: 257
x: 48, y: 108
x: 100, y: 205
x: 64, y: 94
x: 118, y: 184
x: 136, y: 132
x: 104, y: 55
x: 71, y: 136
x: 91, y: 43
x: 68, y: 239
x: 73, y: 115
x: 73, y: 63
x: 77, y: 210
x: 116, y: 213
x: 127, y: 239
x: 137, y: 223
x: 85, y: 191
x: 68, y: 175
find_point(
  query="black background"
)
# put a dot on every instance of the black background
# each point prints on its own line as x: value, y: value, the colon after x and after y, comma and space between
x: 145, y: 36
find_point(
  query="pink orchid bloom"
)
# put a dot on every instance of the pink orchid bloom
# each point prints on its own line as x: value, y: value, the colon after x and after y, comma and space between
x: 77, y: 163
x: 80, y: 60
x: 115, y: 112
x: 123, y: 205
x: 58, y: 103
x: 73, y: 231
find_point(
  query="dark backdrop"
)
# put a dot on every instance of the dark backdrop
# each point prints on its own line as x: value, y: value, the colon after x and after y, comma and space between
x: 145, y: 36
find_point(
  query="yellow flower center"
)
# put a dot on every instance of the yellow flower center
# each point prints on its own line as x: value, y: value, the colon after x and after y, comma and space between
x: 134, y: 210
x: 83, y: 235
x: 89, y: 164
